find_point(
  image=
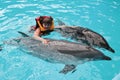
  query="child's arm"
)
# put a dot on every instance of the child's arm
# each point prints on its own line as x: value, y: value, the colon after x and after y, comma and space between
x: 37, y: 37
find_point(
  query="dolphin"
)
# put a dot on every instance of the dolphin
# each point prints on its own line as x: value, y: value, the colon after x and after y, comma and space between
x: 58, y: 51
x: 83, y: 35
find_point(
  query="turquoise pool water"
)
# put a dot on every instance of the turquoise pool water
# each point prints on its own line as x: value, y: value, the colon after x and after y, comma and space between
x: 99, y: 15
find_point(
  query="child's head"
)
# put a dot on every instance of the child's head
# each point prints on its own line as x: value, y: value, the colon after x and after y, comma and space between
x: 46, y: 21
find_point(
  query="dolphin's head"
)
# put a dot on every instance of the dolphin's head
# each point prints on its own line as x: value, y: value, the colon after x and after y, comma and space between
x: 13, y: 41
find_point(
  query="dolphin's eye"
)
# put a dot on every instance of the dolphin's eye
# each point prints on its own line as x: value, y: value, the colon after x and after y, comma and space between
x: 17, y: 40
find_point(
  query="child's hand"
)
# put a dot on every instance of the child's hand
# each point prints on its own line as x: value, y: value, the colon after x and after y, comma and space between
x: 45, y: 41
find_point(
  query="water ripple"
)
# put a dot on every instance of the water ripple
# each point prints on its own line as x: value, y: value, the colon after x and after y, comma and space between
x: 99, y: 15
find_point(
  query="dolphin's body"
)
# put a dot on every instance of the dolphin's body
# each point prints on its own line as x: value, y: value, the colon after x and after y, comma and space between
x: 83, y: 35
x: 57, y: 51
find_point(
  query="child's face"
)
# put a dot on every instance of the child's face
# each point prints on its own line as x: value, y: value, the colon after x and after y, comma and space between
x: 47, y: 22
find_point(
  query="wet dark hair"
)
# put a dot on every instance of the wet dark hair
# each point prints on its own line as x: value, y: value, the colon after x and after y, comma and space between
x: 45, y: 19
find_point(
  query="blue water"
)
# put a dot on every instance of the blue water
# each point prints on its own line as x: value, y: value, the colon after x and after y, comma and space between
x: 102, y: 16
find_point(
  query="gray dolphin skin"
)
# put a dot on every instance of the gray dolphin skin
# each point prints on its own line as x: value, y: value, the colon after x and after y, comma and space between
x: 83, y: 35
x: 58, y: 51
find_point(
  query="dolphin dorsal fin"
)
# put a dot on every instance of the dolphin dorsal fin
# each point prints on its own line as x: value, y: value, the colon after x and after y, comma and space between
x: 23, y: 34
x: 60, y: 23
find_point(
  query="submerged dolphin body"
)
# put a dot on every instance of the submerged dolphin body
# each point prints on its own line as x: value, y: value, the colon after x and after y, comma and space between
x: 57, y: 51
x: 83, y: 35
